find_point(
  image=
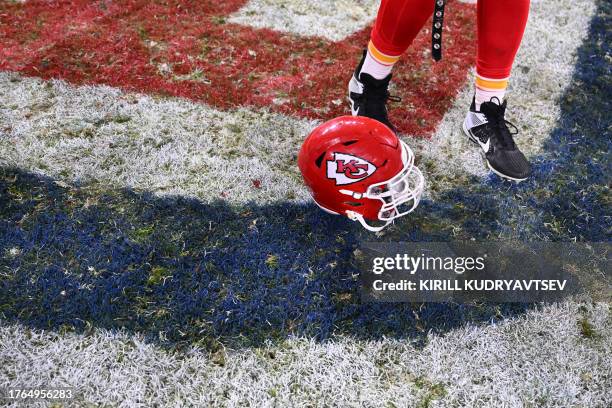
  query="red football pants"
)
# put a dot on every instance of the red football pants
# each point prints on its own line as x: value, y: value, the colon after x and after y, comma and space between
x: 501, y: 24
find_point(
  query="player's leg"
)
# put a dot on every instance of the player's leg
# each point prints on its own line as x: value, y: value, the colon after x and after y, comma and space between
x: 397, y: 24
x: 501, y: 24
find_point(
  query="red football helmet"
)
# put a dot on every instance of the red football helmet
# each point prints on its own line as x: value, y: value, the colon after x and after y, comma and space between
x: 356, y: 166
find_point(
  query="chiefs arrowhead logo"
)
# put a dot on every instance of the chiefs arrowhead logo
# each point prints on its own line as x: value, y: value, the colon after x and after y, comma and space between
x: 347, y: 169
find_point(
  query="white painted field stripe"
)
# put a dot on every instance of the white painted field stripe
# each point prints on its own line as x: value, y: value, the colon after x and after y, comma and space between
x: 540, y: 357
x: 331, y: 19
x: 168, y: 146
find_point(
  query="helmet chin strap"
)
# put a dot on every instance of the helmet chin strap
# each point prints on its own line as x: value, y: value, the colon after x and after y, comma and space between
x: 358, y: 217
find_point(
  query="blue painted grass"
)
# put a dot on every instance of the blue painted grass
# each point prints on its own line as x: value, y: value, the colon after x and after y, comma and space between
x: 184, y: 273
x: 197, y: 273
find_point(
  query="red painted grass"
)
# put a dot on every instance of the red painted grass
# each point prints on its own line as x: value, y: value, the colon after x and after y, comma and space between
x: 187, y: 49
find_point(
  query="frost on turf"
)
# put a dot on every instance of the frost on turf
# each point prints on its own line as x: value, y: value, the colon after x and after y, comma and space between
x: 540, y: 359
x: 174, y: 146
x: 104, y: 139
x: 168, y: 146
x: 332, y: 19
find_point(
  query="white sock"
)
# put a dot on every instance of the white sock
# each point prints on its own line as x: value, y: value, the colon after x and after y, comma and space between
x: 377, y: 64
x: 487, y: 88
x: 485, y: 96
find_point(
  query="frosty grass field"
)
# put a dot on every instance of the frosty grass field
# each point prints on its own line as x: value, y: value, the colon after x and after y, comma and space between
x: 157, y: 247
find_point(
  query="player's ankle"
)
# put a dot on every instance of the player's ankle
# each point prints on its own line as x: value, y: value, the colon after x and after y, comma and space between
x: 378, y: 64
x: 487, y: 88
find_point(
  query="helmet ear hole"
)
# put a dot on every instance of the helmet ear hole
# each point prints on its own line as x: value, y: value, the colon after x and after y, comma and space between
x: 319, y: 159
x: 350, y: 142
x: 352, y: 203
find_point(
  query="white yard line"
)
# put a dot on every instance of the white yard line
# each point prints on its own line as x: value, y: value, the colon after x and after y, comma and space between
x: 168, y: 146
x: 540, y: 358
x: 331, y: 19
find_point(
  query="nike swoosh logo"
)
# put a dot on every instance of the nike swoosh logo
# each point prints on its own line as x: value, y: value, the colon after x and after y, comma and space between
x: 354, y: 112
x: 485, y: 146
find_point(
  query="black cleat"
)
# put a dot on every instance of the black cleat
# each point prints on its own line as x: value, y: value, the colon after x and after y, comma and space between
x: 489, y: 129
x: 368, y: 96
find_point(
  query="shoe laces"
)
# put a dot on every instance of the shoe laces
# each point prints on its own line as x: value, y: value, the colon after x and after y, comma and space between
x: 495, y: 114
x: 377, y: 98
